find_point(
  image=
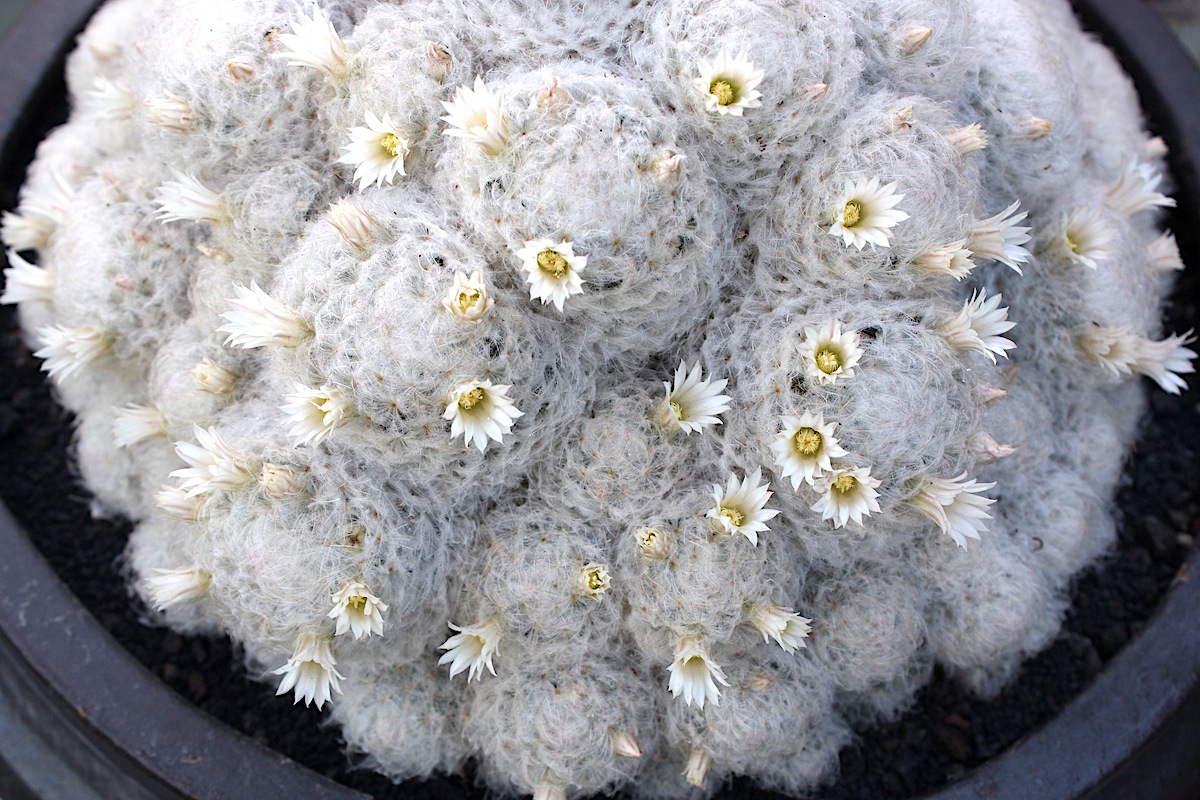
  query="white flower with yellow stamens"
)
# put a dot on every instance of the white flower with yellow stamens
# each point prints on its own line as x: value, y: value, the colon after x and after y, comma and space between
x: 1164, y: 253
x: 212, y: 464
x: 804, y: 446
x: 728, y: 84
x: 786, y: 627
x: 1137, y: 190
x: 952, y: 259
x: 846, y: 494
x: 185, y: 198
x: 25, y: 282
x: 478, y: 116
x: 259, y: 320
x: 741, y: 507
x: 593, y: 581
x: 172, y: 587
x: 552, y: 270
x: 66, y: 349
x: 865, y: 211
x: 213, y: 378
x: 978, y: 327
x: 654, y: 543
x: 356, y: 610
x: 480, y: 410
x: 956, y: 506
x: 376, y: 151
x: 693, y: 673
x: 691, y: 403
x: 314, y: 43
x: 311, y: 672
x: 468, y: 299
x: 315, y: 413
x: 1000, y: 238
x: 1085, y: 237
x: 472, y: 649
x: 135, y: 423
x: 828, y: 353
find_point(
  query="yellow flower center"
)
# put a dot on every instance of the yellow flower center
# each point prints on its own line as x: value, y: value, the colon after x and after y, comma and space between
x: 1072, y: 245
x: 358, y: 602
x: 676, y: 409
x: 723, y: 90
x: 844, y: 483
x: 470, y: 399
x: 828, y: 360
x: 595, y: 580
x: 851, y: 214
x: 392, y: 143
x: 808, y: 442
x: 552, y: 263
x: 467, y: 298
x: 735, y: 517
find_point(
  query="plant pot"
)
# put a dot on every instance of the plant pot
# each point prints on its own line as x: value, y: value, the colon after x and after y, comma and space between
x: 80, y: 717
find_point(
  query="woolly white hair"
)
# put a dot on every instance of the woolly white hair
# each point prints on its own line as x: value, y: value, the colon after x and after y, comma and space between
x: 310, y: 344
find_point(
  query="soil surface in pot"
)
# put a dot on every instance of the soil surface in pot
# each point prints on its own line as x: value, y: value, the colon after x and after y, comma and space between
x: 944, y: 734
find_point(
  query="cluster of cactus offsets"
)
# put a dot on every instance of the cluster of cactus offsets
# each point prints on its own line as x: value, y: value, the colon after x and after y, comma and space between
x: 622, y: 395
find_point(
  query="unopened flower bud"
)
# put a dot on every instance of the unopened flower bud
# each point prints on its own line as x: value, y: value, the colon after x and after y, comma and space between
x: 626, y: 744
x: 698, y: 765
x: 281, y: 482
x: 914, y: 38
x: 1038, y: 128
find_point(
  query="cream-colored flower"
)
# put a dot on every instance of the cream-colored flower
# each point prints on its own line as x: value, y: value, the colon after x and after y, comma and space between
x: 25, y: 282
x: 170, y: 112
x: 1164, y: 361
x: 785, y: 626
x: 978, y: 327
x: 952, y: 259
x: 1085, y: 237
x: 66, y: 349
x: 279, y: 482
x: 846, y: 494
x: 377, y: 151
x: 311, y: 672
x: 38, y: 215
x: 654, y: 543
x: 1115, y: 349
x: 593, y: 581
x: 468, y: 299
x: 691, y: 403
x: 135, y: 423
x: 356, y: 610
x: 315, y: 413
x: 1000, y: 238
x: 804, y: 446
x: 1137, y: 190
x: 480, y: 410
x: 693, y: 673
x: 212, y: 464
x: 741, y: 507
x: 109, y: 100
x: 185, y: 198
x: 259, y: 320
x: 178, y: 504
x: 478, y: 116
x: 353, y: 222
x: 728, y: 85
x: 865, y: 211
x: 172, y: 587
x: 552, y: 270
x: 472, y: 649
x: 213, y: 378
x: 828, y: 353
x: 1163, y: 252
x: 968, y: 139
x: 314, y: 43
x: 956, y: 506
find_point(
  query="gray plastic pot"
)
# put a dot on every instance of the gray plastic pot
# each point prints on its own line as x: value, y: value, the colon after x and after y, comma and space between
x: 80, y: 718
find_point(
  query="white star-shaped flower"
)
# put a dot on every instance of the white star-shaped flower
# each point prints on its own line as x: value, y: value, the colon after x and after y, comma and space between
x: 593, y: 581
x: 25, y: 282
x: 377, y: 151
x: 1115, y: 349
x: 480, y: 410
x: 171, y: 587
x: 552, y: 270
x: 185, y: 198
x: 1137, y: 190
x: 358, y: 611
x: 978, y: 326
x: 864, y: 212
x: 314, y: 43
x: 66, y: 349
x: 135, y: 423
x: 315, y: 413
x: 478, y: 116
x: 1164, y: 254
x: 692, y: 402
x: 259, y: 320
x: 311, y: 672
x: 956, y: 506
x: 178, y: 504
x: 1085, y: 237
x: 38, y: 215
x: 785, y: 626
x: 212, y: 464
x: 804, y: 447
x: 741, y: 507
x: 1164, y: 361
x: 952, y: 259
x: 828, y: 353
x: 846, y: 494
x: 468, y: 299
x: 728, y: 85
x: 693, y: 673
x: 968, y: 139
x: 472, y: 649
x: 109, y: 100
x: 1000, y: 238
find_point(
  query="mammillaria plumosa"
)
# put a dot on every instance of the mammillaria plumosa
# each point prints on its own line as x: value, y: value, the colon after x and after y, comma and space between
x: 687, y: 379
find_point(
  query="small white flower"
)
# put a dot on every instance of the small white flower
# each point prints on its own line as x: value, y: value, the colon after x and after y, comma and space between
x: 1037, y: 128
x: 25, y: 282
x: 67, y: 349
x: 212, y: 464
x: 864, y: 212
x: 314, y: 43
x: 213, y: 378
x: 698, y: 764
x: 728, y: 85
x: 377, y: 151
x: 952, y: 259
x: 315, y: 413
x: 654, y: 543
x: 785, y: 626
x: 472, y: 648
x: 978, y: 326
x: 829, y: 353
x: 804, y: 446
x: 311, y: 672
x: 136, y: 423
x: 968, y: 139
x: 38, y: 215
x: 170, y: 587
x: 1136, y: 190
x: 624, y: 743
x: 593, y: 581
x: 1164, y: 361
x: 1085, y: 237
x: 109, y: 100
x: 1163, y: 251
x: 846, y: 494
x: 693, y: 673
x: 281, y: 482
x: 480, y: 411
x: 986, y: 449
x: 1115, y: 349
x: 352, y: 221
x: 956, y: 506
x: 1000, y: 238
x: 356, y: 610
x: 468, y: 299
x: 170, y: 112
x: 176, y: 503
x: 913, y: 38
x: 692, y: 402
x: 258, y: 320
x: 478, y: 116
x: 185, y: 198
x: 741, y: 507
x: 552, y: 270
x: 667, y: 165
